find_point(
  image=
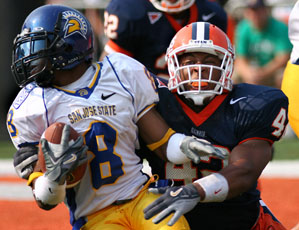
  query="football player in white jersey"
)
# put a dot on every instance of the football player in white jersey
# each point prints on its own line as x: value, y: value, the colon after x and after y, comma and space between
x: 108, y: 103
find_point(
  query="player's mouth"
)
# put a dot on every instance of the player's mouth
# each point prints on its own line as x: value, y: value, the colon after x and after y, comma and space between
x: 203, y: 85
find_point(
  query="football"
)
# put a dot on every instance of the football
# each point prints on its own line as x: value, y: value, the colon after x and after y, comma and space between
x: 53, y: 135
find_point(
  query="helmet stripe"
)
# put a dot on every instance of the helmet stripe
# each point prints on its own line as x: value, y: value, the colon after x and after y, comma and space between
x: 200, y: 31
x: 194, y: 31
x: 207, y: 31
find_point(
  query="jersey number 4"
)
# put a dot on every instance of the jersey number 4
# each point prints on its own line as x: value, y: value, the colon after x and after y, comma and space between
x: 279, y: 123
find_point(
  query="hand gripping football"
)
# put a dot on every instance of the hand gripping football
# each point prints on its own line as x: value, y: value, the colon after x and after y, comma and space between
x: 53, y: 135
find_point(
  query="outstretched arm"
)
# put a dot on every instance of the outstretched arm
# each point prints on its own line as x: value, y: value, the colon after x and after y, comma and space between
x: 174, y: 147
x: 246, y: 163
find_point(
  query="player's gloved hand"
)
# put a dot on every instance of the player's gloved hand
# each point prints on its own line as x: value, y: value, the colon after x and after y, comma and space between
x: 195, y: 148
x: 24, y: 160
x: 178, y: 200
x: 63, y: 158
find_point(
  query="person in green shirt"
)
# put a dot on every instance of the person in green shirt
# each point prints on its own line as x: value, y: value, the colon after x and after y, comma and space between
x: 262, y: 46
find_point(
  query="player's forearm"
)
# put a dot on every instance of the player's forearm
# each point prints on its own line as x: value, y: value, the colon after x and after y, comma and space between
x: 246, y: 163
x: 47, y: 194
x: 168, y: 148
x: 218, y: 187
x: 240, y: 179
x: 157, y: 134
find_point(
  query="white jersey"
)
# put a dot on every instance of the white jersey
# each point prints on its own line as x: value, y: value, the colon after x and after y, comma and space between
x: 104, y: 106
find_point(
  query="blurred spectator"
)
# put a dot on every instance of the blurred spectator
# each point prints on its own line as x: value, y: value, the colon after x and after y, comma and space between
x: 262, y: 46
x: 143, y: 29
x: 290, y: 83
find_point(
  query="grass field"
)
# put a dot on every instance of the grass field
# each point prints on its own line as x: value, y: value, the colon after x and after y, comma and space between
x: 286, y: 149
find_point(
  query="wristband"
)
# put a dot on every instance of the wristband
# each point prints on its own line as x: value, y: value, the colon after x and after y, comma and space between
x: 215, y: 187
x: 164, y: 139
x: 173, y: 151
x: 48, y: 192
x: 33, y: 176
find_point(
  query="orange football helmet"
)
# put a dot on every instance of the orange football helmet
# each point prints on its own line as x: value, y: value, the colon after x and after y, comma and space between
x: 172, y: 6
x: 205, y: 38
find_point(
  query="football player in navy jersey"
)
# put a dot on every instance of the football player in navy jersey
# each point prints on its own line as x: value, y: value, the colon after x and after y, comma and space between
x: 243, y: 119
x: 143, y: 29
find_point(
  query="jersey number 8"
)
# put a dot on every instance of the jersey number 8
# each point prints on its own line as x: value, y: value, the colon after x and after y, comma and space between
x: 106, y: 164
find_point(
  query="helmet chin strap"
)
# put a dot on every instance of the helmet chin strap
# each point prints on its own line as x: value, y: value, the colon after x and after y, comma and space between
x: 44, y: 79
x: 200, y: 99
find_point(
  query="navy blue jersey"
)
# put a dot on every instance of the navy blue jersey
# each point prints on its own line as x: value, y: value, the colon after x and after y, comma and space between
x: 247, y: 112
x: 143, y: 32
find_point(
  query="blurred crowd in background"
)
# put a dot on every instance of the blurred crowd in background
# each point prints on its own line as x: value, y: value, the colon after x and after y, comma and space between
x: 265, y: 68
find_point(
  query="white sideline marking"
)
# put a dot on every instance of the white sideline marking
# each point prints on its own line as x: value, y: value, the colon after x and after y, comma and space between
x: 20, y: 191
x: 6, y: 168
x: 15, y: 191
x: 282, y: 169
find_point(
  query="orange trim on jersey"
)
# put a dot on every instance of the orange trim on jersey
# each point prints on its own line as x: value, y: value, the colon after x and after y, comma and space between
x: 267, y: 221
x: 202, y: 116
x: 177, y: 26
x: 258, y: 138
x: 112, y: 45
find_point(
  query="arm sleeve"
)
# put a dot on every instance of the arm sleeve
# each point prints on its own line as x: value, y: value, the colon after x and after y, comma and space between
x: 144, y: 88
x: 264, y: 116
x: 25, y: 123
x: 138, y: 81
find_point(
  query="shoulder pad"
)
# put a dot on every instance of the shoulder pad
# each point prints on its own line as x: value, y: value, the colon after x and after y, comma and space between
x: 23, y: 94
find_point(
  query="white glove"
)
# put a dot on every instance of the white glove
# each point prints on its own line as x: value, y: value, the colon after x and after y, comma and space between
x: 63, y: 158
x: 195, y: 148
x: 177, y: 200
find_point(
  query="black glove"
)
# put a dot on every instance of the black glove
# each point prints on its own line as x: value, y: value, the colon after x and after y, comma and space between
x: 24, y: 160
x: 177, y: 200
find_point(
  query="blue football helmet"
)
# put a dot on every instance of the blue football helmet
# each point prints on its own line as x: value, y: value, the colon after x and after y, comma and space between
x: 53, y: 37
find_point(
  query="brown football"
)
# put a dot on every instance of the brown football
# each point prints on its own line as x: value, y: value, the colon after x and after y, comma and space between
x: 53, y: 135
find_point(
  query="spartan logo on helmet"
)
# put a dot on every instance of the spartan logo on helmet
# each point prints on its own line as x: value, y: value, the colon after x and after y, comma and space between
x: 75, y: 24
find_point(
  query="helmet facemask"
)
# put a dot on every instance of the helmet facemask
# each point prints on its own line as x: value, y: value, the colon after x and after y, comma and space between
x: 33, y: 54
x: 199, y: 79
x: 45, y: 46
